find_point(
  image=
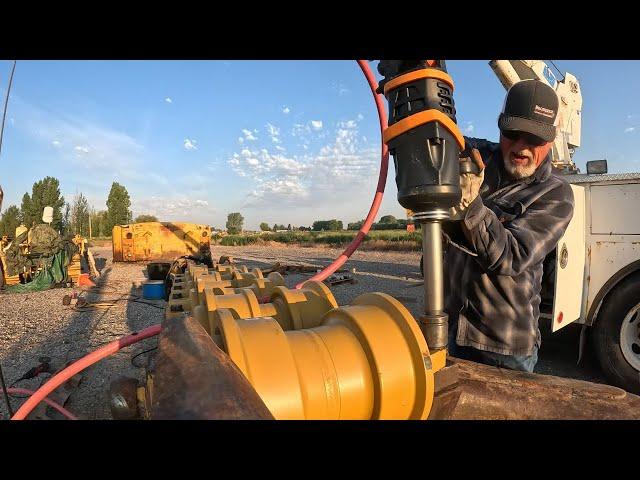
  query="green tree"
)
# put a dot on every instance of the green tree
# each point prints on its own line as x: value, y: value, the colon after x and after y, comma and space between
x: 234, y: 222
x: 145, y: 218
x: 45, y: 192
x: 80, y: 212
x: 25, y: 209
x: 264, y: 226
x: 328, y: 225
x: 355, y: 225
x: 388, y: 219
x: 99, y: 224
x: 118, y: 204
x: 9, y: 221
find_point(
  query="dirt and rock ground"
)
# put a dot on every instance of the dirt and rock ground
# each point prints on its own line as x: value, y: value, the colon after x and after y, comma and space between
x: 33, y: 325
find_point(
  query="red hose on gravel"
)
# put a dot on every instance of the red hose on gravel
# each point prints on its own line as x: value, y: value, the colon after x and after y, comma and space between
x: 55, y: 405
x: 76, y: 367
x: 382, y: 180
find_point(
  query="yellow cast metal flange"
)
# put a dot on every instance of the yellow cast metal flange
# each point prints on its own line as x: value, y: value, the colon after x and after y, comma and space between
x: 262, y: 287
x: 367, y: 360
x: 187, y: 295
x: 238, y: 280
x: 303, y: 308
x: 240, y: 305
x: 293, y: 309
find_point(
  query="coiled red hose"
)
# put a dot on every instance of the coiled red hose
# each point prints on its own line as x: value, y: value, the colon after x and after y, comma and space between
x: 382, y: 180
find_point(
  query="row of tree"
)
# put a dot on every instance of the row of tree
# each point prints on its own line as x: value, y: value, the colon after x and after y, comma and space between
x: 70, y: 218
x: 276, y: 228
x: 235, y: 222
x: 387, y: 222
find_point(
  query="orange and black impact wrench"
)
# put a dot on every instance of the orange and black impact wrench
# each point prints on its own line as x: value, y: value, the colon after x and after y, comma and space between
x: 424, y: 139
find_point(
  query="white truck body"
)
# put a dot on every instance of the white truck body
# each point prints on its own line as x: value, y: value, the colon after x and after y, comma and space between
x: 602, y: 244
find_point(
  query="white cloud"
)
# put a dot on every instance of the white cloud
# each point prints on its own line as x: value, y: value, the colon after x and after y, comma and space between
x: 274, y: 133
x: 340, y: 87
x: 168, y: 100
x: 87, y: 145
x: 328, y: 178
x: 248, y: 135
x: 81, y: 149
x: 629, y: 129
x: 170, y: 207
x: 316, y: 124
x: 285, y: 110
x: 469, y: 128
x: 190, y: 144
x: 300, y: 130
x: 360, y: 117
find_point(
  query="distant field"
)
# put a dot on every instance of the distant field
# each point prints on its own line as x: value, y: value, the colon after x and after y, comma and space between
x: 375, y: 240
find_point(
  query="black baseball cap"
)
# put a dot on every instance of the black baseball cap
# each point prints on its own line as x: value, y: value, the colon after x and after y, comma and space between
x: 530, y: 106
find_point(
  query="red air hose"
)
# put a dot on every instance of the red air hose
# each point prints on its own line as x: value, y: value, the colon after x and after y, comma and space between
x: 55, y: 405
x: 76, y: 367
x: 382, y: 181
x: 111, y: 348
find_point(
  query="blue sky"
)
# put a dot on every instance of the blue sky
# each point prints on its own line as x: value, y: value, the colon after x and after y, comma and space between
x: 279, y: 141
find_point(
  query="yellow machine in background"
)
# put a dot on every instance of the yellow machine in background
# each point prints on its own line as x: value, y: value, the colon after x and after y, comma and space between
x: 158, y: 241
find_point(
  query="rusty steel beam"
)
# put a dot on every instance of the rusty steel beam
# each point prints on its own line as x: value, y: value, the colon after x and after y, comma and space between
x: 195, y: 380
x: 472, y: 391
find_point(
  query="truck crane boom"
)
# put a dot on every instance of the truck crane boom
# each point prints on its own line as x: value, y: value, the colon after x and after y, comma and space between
x: 570, y: 105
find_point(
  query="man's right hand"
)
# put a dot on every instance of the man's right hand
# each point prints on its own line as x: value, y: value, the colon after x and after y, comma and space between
x: 470, y: 183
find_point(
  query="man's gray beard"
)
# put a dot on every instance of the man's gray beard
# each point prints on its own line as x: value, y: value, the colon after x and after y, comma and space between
x: 520, y: 171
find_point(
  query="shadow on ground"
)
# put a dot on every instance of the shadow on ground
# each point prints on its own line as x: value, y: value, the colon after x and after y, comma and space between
x: 70, y: 333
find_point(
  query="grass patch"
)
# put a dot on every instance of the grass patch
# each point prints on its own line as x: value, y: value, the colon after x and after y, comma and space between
x: 375, y: 240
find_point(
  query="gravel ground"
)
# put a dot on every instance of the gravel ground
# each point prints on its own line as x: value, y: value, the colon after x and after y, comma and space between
x: 37, y: 324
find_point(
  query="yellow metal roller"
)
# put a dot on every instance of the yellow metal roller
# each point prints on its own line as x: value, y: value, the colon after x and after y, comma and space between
x: 293, y: 309
x: 364, y: 361
x: 262, y: 287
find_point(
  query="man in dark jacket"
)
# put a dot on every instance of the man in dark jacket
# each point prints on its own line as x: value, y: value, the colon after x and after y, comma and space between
x: 511, y: 215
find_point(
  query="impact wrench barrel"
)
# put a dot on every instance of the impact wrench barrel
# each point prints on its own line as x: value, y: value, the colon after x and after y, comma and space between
x: 425, y: 142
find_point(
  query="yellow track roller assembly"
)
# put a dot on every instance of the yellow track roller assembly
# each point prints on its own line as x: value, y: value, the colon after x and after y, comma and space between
x: 367, y: 360
x: 292, y: 309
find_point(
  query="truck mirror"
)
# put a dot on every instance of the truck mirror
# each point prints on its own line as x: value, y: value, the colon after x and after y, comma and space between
x: 595, y: 167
